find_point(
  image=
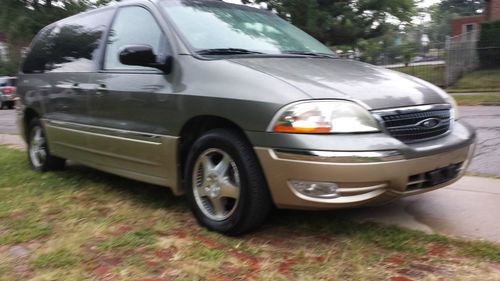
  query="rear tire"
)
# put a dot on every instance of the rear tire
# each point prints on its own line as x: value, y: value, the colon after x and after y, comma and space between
x: 225, y: 184
x: 38, y: 150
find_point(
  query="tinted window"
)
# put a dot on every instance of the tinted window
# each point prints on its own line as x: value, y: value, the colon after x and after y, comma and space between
x: 132, y: 26
x: 13, y: 82
x: 70, y: 46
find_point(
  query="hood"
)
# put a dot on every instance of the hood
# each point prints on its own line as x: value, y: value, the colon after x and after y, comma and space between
x: 373, y: 86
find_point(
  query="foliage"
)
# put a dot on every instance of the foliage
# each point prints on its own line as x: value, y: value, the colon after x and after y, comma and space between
x: 445, y: 11
x: 489, y: 44
x: 408, y: 50
x: 20, y: 20
x: 340, y: 22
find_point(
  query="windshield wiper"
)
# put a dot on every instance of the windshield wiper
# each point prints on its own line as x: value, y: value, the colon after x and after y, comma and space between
x: 310, y: 54
x: 226, y: 51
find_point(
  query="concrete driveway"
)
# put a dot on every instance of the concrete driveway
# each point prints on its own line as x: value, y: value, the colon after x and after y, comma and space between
x: 486, y: 120
x: 468, y: 208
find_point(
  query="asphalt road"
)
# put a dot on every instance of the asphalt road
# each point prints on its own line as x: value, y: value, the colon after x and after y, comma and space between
x: 8, y: 122
x: 486, y: 119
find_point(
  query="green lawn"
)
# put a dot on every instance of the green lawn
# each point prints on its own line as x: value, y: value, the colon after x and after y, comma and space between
x: 479, y: 81
x: 483, y: 99
x: 81, y: 224
x: 431, y: 73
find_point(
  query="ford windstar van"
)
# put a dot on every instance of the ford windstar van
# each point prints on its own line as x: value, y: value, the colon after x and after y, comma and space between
x: 234, y: 107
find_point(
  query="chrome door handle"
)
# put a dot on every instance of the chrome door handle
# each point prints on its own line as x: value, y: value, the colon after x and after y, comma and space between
x: 101, y: 89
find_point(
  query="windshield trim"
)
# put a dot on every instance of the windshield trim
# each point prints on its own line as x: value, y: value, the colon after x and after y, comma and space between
x: 192, y: 51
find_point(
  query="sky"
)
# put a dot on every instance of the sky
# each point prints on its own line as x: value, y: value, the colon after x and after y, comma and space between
x: 425, y: 3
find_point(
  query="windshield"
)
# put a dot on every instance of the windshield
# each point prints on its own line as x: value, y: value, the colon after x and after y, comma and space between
x: 210, y: 25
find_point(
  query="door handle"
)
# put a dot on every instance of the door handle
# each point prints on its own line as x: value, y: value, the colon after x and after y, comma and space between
x: 101, y: 89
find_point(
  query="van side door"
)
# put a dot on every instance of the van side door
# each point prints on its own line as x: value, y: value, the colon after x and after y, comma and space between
x: 130, y: 105
x: 67, y: 57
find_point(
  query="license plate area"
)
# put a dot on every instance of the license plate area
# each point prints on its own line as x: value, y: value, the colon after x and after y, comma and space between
x: 434, y: 177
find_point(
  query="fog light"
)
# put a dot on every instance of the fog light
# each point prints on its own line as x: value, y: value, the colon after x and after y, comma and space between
x: 325, y: 190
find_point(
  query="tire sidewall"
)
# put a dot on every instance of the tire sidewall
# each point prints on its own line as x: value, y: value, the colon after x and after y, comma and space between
x: 214, y: 140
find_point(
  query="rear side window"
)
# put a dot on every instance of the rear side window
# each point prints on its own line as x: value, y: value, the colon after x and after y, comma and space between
x: 13, y: 82
x: 132, y: 26
x: 71, y: 46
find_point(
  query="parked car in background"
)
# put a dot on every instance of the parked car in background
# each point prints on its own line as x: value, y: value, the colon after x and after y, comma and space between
x: 7, y: 92
x: 234, y: 107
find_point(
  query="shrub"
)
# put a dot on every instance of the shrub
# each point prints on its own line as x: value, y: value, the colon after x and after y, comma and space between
x: 489, y: 44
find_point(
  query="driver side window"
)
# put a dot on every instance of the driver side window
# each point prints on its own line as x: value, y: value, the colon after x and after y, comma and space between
x: 132, y: 26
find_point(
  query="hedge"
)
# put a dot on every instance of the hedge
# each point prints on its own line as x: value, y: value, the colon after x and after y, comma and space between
x: 489, y: 44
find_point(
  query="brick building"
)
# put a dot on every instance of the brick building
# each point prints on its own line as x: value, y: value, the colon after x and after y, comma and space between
x: 469, y: 24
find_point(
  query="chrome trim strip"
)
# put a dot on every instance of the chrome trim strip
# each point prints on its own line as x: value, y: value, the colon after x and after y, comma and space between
x: 339, y: 156
x: 109, y: 132
x: 359, y: 190
x: 149, y: 163
x: 411, y: 109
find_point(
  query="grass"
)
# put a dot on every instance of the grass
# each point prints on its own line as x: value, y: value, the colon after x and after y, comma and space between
x: 479, y: 80
x: 430, y: 73
x: 128, y: 241
x: 471, y: 100
x: 81, y: 224
x: 56, y: 259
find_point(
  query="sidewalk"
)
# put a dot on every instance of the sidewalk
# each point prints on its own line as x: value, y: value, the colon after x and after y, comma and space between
x: 12, y: 140
x: 468, y: 208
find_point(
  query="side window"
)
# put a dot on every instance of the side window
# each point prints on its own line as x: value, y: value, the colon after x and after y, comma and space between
x: 71, y: 46
x: 132, y: 26
x: 37, y: 57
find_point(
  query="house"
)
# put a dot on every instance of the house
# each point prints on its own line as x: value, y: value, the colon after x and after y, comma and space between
x: 471, y: 24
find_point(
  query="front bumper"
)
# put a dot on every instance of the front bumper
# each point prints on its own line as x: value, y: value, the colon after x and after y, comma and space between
x: 363, y: 178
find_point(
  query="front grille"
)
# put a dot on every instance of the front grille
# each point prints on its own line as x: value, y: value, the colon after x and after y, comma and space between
x: 433, y: 178
x: 417, y: 126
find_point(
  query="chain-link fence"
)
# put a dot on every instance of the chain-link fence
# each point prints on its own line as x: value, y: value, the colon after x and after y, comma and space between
x: 427, y: 63
x: 462, y: 63
x: 461, y: 56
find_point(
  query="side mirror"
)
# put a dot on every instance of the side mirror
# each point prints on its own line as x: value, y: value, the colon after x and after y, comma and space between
x: 143, y: 55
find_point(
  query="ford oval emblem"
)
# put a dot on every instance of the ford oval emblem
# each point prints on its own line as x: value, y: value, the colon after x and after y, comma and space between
x: 430, y: 123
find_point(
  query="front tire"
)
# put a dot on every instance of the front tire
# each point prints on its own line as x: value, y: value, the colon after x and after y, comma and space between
x: 38, y: 151
x: 225, y: 184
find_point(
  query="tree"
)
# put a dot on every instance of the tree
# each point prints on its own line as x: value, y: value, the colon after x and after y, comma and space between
x: 341, y: 22
x: 444, y: 12
x: 20, y: 20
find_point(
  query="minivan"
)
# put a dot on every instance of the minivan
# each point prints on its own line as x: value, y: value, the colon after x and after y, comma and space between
x: 234, y: 107
x: 7, y: 92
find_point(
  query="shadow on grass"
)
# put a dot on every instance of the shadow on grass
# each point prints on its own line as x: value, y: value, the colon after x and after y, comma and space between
x: 281, y: 223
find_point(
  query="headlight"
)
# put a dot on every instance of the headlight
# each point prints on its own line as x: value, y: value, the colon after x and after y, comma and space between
x: 454, y: 110
x: 324, y: 117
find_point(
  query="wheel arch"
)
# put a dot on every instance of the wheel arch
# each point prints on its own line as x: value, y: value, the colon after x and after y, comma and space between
x: 28, y: 115
x: 197, y: 126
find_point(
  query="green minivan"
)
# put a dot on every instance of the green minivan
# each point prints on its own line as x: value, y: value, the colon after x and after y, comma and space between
x: 234, y: 107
